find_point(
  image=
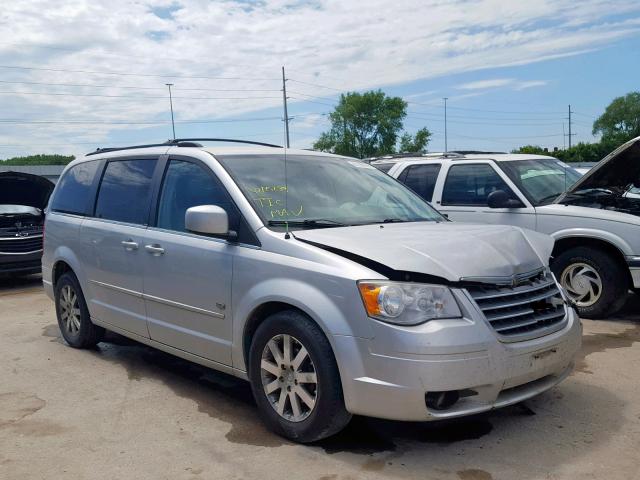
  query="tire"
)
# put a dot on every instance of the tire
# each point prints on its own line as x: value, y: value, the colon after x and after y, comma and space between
x: 581, y: 267
x: 328, y: 414
x: 74, y: 320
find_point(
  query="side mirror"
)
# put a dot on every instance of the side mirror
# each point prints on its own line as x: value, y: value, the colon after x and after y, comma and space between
x: 207, y: 219
x: 500, y: 199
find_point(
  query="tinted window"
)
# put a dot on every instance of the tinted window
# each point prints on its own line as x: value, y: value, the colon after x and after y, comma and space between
x: 472, y: 184
x: 73, y: 194
x: 422, y: 179
x: 383, y: 167
x: 125, y: 191
x: 188, y: 185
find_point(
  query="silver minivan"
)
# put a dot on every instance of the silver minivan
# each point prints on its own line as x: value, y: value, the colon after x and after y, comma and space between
x: 330, y: 286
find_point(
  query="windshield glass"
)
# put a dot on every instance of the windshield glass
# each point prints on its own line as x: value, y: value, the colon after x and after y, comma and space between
x: 323, y: 191
x: 541, y: 180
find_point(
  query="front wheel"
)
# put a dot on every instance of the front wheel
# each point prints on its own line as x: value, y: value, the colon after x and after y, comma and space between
x: 593, y: 279
x: 295, y: 380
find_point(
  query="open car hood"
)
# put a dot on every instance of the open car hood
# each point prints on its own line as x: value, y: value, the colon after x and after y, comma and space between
x: 451, y: 251
x: 18, y: 188
x: 619, y: 170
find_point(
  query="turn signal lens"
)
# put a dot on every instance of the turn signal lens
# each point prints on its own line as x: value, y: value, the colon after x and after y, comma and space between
x: 370, y: 294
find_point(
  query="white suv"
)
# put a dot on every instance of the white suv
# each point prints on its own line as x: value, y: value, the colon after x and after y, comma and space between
x: 594, y: 219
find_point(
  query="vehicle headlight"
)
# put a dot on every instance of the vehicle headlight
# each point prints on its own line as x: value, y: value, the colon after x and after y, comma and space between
x: 407, y: 303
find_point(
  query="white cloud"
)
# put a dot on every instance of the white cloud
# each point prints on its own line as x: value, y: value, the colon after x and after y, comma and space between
x: 484, y: 84
x: 339, y: 43
x: 511, y: 83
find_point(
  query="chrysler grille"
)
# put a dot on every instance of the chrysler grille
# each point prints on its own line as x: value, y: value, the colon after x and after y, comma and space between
x: 531, y: 309
x: 20, y: 245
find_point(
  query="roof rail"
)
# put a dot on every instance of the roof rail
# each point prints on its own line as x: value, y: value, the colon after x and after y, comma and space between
x: 182, y: 142
x: 398, y: 156
x: 475, y: 152
x: 178, y: 141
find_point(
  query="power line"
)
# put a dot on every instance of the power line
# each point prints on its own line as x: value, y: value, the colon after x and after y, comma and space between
x: 133, y: 87
x: 130, y: 74
x: 100, y: 122
x: 57, y: 94
x: 130, y: 142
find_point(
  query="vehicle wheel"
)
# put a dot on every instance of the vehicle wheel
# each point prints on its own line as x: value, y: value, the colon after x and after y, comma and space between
x: 295, y: 379
x: 593, y: 279
x: 73, y: 315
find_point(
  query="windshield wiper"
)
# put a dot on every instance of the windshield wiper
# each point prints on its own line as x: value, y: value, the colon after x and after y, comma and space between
x: 546, y: 198
x: 315, y: 222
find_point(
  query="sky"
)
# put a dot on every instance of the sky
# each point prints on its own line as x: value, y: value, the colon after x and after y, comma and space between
x: 81, y: 74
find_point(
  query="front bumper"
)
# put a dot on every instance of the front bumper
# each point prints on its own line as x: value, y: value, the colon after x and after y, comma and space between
x: 385, y: 382
x: 20, y: 264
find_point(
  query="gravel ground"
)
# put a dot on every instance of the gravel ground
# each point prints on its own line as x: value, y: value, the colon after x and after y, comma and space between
x: 126, y: 411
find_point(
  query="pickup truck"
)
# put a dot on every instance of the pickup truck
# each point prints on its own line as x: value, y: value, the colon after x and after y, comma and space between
x: 594, y: 219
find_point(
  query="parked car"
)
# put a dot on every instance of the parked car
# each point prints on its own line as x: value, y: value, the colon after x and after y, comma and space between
x: 331, y: 287
x: 23, y: 198
x: 594, y: 218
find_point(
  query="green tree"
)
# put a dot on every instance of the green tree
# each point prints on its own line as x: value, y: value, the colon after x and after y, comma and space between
x: 367, y: 124
x: 620, y: 121
x: 417, y: 143
x: 38, y: 160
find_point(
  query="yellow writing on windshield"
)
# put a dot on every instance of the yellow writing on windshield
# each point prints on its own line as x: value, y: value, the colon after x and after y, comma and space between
x: 283, y: 212
x: 268, y: 188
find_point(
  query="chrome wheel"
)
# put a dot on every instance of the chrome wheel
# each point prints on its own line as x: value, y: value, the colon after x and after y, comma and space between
x: 582, y: 283
x: 289, y: 377
x: 69, y: 310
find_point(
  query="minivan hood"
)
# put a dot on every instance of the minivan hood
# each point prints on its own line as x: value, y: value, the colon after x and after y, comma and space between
x: 17, y: 188
x: 618, y: 170
x: 452, y: 251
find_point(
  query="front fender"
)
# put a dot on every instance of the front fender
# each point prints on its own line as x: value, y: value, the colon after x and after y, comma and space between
x: 603, y: 235
x: 335, y: 309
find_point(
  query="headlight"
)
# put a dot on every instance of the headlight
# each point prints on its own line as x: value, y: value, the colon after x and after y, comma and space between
x: 407, y: 303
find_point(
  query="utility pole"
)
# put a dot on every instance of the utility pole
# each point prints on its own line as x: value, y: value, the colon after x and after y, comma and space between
x: 564, y: 138
x: 570, y: 134
x: 284, y: 101
x: 173, y: 125
x: 446, y: 147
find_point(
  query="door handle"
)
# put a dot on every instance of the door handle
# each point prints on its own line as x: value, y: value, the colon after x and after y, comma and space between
x: 129, y: 245
x: 155, y: 249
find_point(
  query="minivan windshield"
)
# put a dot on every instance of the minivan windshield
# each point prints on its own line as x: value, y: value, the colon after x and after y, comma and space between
x: 323, y: 191
x: 541, y: 180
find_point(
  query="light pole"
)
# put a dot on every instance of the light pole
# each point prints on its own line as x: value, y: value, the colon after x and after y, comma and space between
x: 445, y: 125
x: 173, y: 125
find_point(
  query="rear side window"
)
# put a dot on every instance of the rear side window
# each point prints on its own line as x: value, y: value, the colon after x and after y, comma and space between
x: 74, y: 192
x: 383, y: 167
x: 188, y: 185
x: 471, y: 184
x: 421, y: 179
x: 125, y: 191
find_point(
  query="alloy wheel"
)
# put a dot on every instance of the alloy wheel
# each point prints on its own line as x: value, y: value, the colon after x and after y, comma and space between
x: 289, y: 377
x: 69, y: 310
x: 582, y: 283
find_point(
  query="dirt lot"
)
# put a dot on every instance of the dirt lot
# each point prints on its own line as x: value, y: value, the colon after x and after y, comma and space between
x: 126, y: 411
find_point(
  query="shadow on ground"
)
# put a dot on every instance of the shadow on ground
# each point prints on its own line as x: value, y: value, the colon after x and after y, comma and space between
x: 560, y: 417
x: 12, y: 284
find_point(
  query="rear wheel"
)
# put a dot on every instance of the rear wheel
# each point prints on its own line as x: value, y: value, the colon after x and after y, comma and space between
x: 73, y: 315
x: 595, y: 281
x: 295, y: 379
